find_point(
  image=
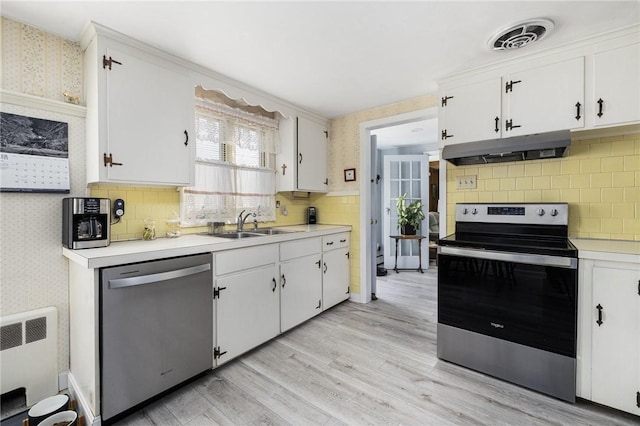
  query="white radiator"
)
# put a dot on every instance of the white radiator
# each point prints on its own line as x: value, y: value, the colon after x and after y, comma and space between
x: 29, y: 353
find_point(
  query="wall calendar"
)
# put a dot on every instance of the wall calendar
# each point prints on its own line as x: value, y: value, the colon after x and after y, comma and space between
x: 34, y: 154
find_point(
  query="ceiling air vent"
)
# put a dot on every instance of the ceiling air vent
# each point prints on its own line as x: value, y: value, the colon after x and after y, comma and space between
x: 521, y: 34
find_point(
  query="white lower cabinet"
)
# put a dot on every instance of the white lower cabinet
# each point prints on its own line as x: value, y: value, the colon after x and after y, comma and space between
x: 300, y: 281
x: 609, y: 334
x: 247, y: 300
x: 336, y: 272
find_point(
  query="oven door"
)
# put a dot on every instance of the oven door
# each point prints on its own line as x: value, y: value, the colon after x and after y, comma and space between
x: 522, y: 298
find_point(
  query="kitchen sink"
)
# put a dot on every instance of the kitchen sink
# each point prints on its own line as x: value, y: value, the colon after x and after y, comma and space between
x: 269, y: 231
x: 237, y: 235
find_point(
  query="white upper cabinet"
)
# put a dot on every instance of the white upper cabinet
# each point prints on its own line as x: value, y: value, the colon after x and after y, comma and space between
x: 544, y: 99
x: 471, y: 112
x: 301, y: 163
x: 139, y: 116
x: 616, y: 84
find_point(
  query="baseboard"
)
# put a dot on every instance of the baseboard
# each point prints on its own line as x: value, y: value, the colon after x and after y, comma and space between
x: 82, y: 406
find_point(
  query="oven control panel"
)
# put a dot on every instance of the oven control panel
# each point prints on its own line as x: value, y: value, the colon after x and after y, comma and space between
x: 525, y: 213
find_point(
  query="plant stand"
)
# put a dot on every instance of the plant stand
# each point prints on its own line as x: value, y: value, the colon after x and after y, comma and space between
x: 409, y: 237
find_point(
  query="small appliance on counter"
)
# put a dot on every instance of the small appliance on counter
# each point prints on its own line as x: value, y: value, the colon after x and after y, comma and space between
x: 86, y: 222
x: 312, y: 215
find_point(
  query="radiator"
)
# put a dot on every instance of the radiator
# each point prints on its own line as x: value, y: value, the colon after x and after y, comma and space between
x: 29, y: 353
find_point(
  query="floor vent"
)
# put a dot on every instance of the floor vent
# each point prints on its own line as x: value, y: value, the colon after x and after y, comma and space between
x: 29, y: 353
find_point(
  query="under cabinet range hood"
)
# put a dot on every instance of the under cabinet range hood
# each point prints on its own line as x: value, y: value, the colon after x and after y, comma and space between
x: 519, y: 148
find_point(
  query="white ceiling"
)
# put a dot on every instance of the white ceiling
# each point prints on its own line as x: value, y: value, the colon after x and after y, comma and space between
x: 331, y: 57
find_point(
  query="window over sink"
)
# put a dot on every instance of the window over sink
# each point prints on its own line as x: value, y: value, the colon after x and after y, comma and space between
x: 236, y: 145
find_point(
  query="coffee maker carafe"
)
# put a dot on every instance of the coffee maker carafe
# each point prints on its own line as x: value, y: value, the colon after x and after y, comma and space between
x: 86, y: 222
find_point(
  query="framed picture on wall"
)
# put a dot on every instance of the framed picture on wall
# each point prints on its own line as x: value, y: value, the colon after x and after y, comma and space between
x: 349, y: 175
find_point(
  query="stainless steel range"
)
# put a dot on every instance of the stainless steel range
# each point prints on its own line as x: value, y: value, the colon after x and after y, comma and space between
x: 507, y: 295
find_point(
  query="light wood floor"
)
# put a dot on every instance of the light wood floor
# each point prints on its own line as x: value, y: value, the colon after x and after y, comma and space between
x: 364, y: 364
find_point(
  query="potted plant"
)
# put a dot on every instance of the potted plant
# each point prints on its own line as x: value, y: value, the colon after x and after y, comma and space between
x: 409, y: 217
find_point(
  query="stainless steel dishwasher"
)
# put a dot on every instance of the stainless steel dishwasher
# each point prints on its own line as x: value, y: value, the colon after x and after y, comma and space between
x: 156, y: 322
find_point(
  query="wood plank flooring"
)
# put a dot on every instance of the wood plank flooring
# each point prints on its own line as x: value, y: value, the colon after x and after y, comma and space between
x: 364, y: 364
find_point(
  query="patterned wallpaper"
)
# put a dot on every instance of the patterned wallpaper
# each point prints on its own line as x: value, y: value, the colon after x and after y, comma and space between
x: 38, y: 63
x: 33, y: 272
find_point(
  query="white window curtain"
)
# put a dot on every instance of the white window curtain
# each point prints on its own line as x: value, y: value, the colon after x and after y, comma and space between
x: 235, y: 156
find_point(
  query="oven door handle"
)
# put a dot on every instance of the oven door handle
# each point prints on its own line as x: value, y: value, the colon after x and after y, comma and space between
x: 530, y: 259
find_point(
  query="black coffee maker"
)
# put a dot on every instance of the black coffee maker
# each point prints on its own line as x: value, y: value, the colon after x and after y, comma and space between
x: 86, y: 222
x: 312, y: 215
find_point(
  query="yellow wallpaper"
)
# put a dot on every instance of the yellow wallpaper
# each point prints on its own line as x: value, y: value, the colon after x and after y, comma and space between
x: 599, y: 178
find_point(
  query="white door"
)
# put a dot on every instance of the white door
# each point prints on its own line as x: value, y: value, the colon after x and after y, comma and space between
x: 301, y: 290
x: 545, y: 99
x: 616, y: 86
x: 616, y: 338
x: 375, y: 213
x: 405, y: 174
x: 312, y: 156
x: 336, y: 276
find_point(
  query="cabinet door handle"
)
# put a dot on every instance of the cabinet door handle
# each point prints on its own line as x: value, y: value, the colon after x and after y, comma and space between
x: 599, y: 308
x: 497, y: 129
x: 600, y: 104
x: 578, y: 105
x: 300, y: 158
x: 347, y: 254
x: 325, y: 267
x: 274, y: 284
x: 283, y: 281
x: 319, y: 304
x: 186, y: 138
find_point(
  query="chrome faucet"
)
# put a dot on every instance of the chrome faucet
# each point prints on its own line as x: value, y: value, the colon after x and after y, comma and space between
x: 242, y: 220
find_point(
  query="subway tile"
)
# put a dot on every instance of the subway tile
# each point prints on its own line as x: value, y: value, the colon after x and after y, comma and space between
x: 551, y: 168
x: 631, y: 195
x: 524, y: 183
x: 542, y: 182
x: 550, y: 196
x: 516, y: 170
x: 631, y: 163
x: 470, y: 197
x: 570, y: 195
x: 611, y: 225
x: 623, y: 147
x: 631, y: 227
x: 579, y: 181
x: 590, y: 165
x: 492, y: 184
x: 612, y: 195
x: 533, y: 169
x: 601, y: 180
x: 501, y: 197
x: 599, y: 149
x: 133, y: 197
x: 623, y: 210
x: 601, y: 210
x: 579, y: 150
x: 516, y: 197
x: 500, y: 171
x: 533, y: 196
x: 150, y: 197
x: 507, y: 184
x: 570, y: 167
x: 485, y: 196
x: 485, y: 173
x: 622, y: 179
x: 590, y: 224
x: 612, y: 164
x: 590, y: 195
x: 560, y: 182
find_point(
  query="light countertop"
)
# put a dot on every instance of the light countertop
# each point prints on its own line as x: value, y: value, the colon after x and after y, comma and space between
x: 611, y: 250
x: 123, y: 252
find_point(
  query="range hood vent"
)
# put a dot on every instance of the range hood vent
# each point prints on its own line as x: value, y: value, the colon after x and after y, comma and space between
x: 519, y: 148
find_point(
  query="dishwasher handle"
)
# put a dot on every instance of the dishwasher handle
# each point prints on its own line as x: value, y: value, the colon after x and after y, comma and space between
x: 162, y: 276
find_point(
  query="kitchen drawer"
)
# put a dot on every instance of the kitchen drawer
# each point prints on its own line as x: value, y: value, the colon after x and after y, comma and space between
x: 335, y: 241
x: 300, y: 248
x: 246, y: 258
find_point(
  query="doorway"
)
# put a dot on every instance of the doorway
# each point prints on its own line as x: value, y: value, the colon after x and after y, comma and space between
x: 370, y: 229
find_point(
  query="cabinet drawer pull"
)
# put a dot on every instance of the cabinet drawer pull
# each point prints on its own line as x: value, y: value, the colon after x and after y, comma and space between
x: 599, y: 308
x: 600, y: 104
x: 330, y: 243
x: 343, y: 241
x: 186, y: 138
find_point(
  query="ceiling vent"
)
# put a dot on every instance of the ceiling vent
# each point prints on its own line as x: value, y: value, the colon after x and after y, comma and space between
x: 521, y: 34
